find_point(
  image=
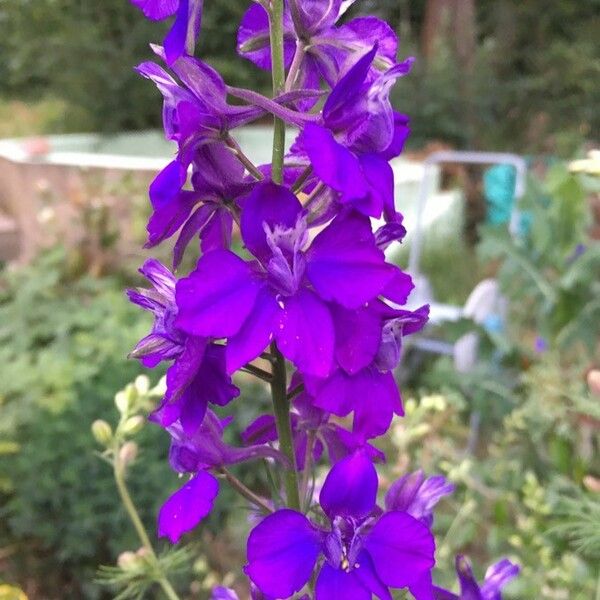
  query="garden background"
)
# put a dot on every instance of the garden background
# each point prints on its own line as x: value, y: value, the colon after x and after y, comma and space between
x: 517, y: 429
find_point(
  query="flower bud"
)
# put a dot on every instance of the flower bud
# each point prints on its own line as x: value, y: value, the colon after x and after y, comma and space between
x: 593, y: 381
x: 133, y: 425
x: 142, y: 384
x: 102, y: 432
x: 127, y: 560
x: 125, y: 398
x: 128, y: 453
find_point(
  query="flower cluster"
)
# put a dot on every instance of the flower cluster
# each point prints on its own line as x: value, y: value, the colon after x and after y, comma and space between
x: 291, y: 272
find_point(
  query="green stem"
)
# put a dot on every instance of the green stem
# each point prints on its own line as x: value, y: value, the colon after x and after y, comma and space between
x: 278, y: 70
x: 119, y: 471
x: 245, y: 491
x: 281, y: 408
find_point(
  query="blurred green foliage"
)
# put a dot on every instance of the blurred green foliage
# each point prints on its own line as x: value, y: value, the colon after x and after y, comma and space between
x: 532, y: 86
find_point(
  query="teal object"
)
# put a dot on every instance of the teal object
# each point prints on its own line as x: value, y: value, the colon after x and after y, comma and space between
x: 499, y: 184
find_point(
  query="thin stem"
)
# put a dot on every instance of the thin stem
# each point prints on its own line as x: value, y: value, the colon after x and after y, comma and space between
x: 302, y: 179
x: 248, y: 164
x: 258, y: 372
x: 290, y: 82
x: 308, y: 461
x: 294, y: 392
x: 278, y: 72
x: 281, y: 408
x: 119, y: 472
x: 245, y: 491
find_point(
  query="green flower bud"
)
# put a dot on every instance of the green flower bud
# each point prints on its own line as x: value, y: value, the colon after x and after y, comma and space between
x: 128, y: 453
x: 102, y: 432
x: 133, y: 425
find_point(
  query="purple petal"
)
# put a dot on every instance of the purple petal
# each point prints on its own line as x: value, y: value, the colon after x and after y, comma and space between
x: 157, y: 10
x: 253, y: 41
x: 469, y: 588
x: 417, y: 495
x: 282, y: 552
x: 215, y: 299
x: 334, y: 164
x: 194, y: 224
x: 268, y: 203
x: 350, y: 488
x: 399, y: 287
x: 341, y: 443
x: 365, y: 32
x: 423, y: 588
x: 496, y: 577
x: 184, y: 31
x: 336, y: 584
x: 167, y: 184
x: 380, y: 178
x: 372, y: 417
x: 401, y: 134
x: 344, y: 263
x: 260, y: 431
x: 185, y: 368
x: 369, y: 578
x: 256, y: 333
x: 169, y: 217
x: 357, y: 337
x: 402, y: 549
x: 314, y: 16
x: 187, y: 506
x: 306, y: 334
x: 223, y: 593
x: 216, y: 235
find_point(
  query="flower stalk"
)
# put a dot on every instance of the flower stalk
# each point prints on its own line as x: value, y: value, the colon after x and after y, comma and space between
x: 278, y: 75
x: 281, y: 408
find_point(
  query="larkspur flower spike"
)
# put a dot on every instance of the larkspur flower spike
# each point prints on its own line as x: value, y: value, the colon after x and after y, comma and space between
x: 290, y: 269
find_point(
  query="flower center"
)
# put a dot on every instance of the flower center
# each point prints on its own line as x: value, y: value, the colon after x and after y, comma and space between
x: 287, y: 264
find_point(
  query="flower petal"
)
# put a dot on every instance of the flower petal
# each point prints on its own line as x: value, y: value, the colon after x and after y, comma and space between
x: 269, y: 204
x: 344, y: 263
x: 496, y: 577
x: 357, y: 337
x: 217, y: 297
x: 336, y: 584
x: 306, y: 335
x: 350, y: 488
x: 282, y: 552
x: 187, y: 506
x: 255, y: 334
x: 402, y: 549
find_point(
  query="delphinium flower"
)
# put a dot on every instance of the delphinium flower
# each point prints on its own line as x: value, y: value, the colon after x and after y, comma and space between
x: 289, y: 292
x: 496, y: 577
x: 197, y: 455
x: 312, y: 430
x: 197, y: 376
x: 315, y: 48
x: 311, y: 285
x: 360, y: 552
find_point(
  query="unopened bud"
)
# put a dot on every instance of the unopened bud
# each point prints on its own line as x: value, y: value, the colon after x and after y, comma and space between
x: 592, y: 483
x: 125, y: 398
x: 593, y: 381
x: 127, y: 560
x: 142, y: 384
x: 102, y: 432
x: 133, y: 425
x: 128, y: 453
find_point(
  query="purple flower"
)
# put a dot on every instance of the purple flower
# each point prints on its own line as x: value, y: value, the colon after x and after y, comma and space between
x: 359, y: 133
x: 417, y: 495
x: 287, y: 293
x: 198, y: 453
x: 310, y: 423
x: 197, y: 376
x: 364, y: 553
x: 217, y: 180
x: 317, y: 47
x: 186, y: 26
x: 496, y: 577
x: 368, y: 349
